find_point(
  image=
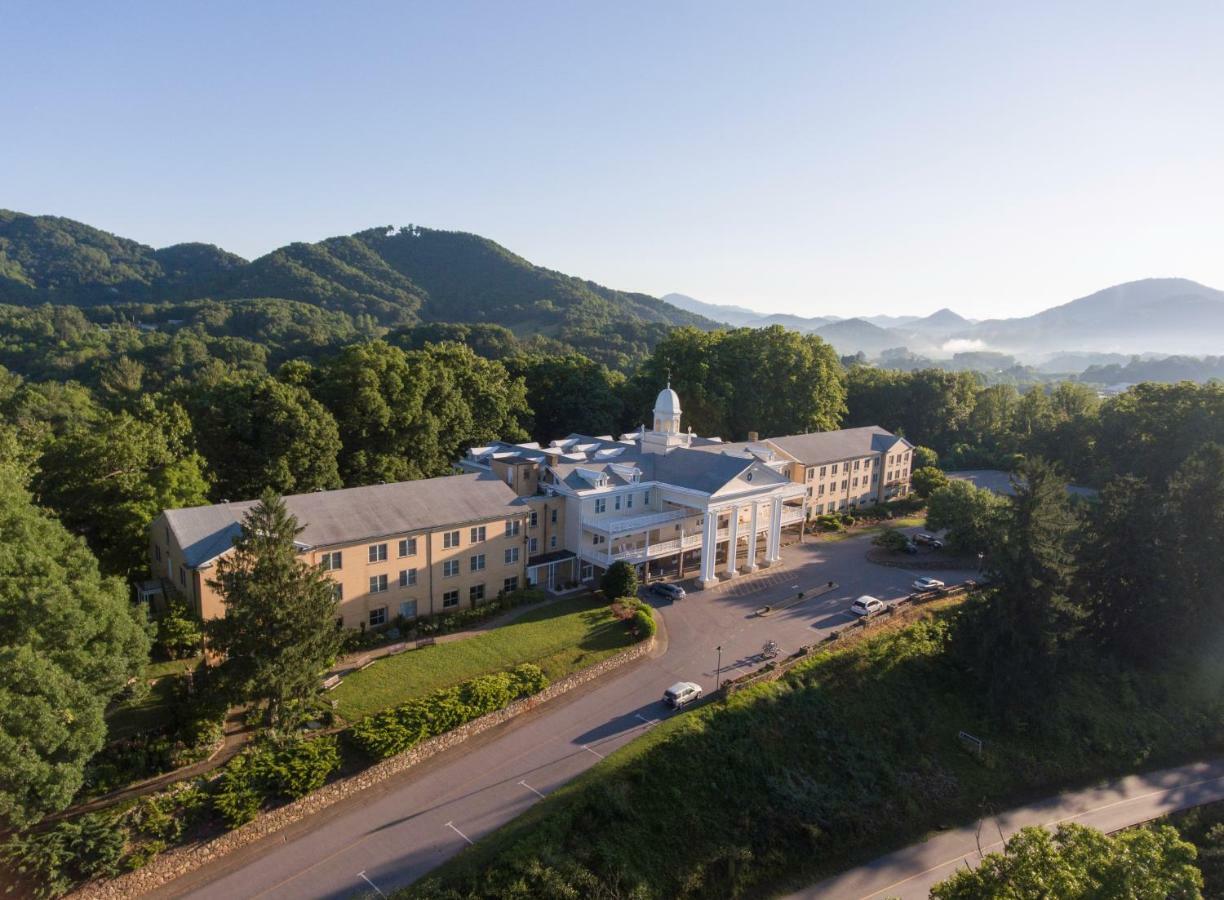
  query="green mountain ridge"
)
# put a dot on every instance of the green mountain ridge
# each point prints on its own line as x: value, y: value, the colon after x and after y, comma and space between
x: 399, y: 276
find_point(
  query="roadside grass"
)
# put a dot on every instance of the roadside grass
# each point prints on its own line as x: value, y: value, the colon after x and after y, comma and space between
x: 850, y: 755
x: 560, y: 638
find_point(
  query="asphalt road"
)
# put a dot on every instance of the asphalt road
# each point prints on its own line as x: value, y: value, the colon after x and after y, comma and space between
x: 394, y: 833
x: 909, y: 874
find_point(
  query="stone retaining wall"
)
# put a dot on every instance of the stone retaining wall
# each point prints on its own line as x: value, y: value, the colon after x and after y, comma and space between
x: 178, y: 862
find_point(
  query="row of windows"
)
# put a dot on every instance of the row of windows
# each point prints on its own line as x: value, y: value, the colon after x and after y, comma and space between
x: 450, y: 599
x: 376, y: 553
x: 844, y: 467
x: 601, y: 503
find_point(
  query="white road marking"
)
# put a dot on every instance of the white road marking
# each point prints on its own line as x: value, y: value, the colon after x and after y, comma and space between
x: 589, y: 750
x: 533, y: 790
x: 362, y: 876
x: 451, y: 826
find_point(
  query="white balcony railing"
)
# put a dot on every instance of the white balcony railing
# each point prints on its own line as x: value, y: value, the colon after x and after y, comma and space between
x: 613, y: 524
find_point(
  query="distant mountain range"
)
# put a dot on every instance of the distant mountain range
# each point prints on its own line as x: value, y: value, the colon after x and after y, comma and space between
x: 1155, y: 315
x: 407, y: 275
x: 399, y: 276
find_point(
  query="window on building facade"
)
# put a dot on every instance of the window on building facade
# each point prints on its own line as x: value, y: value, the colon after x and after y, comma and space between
x: 601, y: 505
x: 844, y: 485
x: 450, y: 599
x: 450, y: 568
x: 512, y: 555
x: 618, y: 501
x: 478, y: 562
x: 856, y: 465
x: 552, y: 515
x: 407, y: 577
x: 378, y: 552
x: 510, y: 584
x: 378, y: 616
x: 478, y: 534
x: 597, y: 539
x: 450, y: 539
x: 332, y: 561
x: 513, y: 527
x: 157, y: 552
x: 476, y: 593
x: 338, y: 592
x: 820, y: 490
x: 182, y: 576
x: 646, y: 498
x: 854, y: 481
x: 407, y: 547
x: 552, y: 542
x: 628, y: 501
x: 534, y: 546
x: 822, y: 471
x: 535, y: 519
x: 587, y: 572
x: 407, y: 609
x: 378, y: 584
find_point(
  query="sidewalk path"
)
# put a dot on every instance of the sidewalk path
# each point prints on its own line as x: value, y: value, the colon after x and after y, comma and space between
x: 909, y: 874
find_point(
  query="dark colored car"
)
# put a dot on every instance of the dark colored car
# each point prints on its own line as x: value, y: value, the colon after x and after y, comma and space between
x: 928, y: 540
x: 670, y: 591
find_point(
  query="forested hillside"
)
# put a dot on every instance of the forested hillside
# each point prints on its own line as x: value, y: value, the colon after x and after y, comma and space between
x: 397, y: 276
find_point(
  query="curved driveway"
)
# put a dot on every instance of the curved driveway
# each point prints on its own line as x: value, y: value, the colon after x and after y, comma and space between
x: 392, y: 834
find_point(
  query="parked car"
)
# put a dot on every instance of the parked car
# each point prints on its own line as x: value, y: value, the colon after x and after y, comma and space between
x: 867, y: 606
x: 928, y: 584
x: 669, y: 591
x: 928, y: 540
x: 910, y: 547
x: 681, y: 694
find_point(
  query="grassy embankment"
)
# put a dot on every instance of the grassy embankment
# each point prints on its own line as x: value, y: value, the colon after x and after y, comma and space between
x: 560, y: 637
x: 853, y: 753
x: 151, y: 710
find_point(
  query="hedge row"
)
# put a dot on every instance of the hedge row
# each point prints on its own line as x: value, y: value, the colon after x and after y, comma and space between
x: 286, y: 769
x: 396, y: 730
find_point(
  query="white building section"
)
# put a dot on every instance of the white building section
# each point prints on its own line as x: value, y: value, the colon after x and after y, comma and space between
x: 669, y: 501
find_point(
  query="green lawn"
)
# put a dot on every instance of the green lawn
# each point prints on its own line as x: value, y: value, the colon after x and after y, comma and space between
x: 852, y: 754
x: 899, y: 522
x: 560, y: 637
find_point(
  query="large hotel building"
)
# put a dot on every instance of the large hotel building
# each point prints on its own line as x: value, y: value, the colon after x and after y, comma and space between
x: 675, y: 504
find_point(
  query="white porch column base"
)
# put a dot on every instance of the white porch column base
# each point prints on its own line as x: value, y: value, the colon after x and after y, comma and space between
x: 705, y: 584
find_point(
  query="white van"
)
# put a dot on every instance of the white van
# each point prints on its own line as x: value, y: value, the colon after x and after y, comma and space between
x: 681, y: 694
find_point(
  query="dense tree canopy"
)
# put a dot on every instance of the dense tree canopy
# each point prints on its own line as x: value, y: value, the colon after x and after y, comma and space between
x: 110, y: 481
x: 767, y: 380
x: 258, y: 434
x: 69, y: 641
x: 1081, y: 863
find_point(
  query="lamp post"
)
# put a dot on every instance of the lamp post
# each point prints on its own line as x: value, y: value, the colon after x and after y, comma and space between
x: 718, y: 671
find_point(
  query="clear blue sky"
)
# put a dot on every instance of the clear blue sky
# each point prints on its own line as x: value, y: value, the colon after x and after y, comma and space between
x: 849, y: 158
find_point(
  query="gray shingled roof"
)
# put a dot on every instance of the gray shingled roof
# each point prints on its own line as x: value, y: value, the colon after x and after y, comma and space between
x: 830, y: 446
x: 353, y: 514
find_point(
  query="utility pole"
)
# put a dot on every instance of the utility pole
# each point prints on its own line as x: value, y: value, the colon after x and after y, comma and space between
x: 718, y: 671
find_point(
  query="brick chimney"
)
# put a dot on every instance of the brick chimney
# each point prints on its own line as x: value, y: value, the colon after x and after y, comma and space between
x: 753, y: 437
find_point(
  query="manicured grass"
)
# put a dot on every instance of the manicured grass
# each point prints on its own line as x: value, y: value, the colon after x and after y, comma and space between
x: 560, y: 638
x: 171, y: 667
x: 900, y: 522
x: 852, y: 754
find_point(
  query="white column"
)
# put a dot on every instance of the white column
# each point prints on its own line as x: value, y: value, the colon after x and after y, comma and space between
x: 709, y: 534
x: 752, y: 538
x: 732, y: 542
x: 774, y: 545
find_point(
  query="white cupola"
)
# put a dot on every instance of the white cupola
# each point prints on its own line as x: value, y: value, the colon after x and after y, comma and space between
x: 666, y: 434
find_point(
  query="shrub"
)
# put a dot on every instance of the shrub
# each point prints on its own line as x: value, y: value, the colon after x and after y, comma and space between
x: 289, y: 769
x: 68, y: 852
x: 644, y: 623
x: 396, y: 730
x: 620, y: 580
x: 891, y: 540
x: 928, y: 480
x: 178, y: 632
